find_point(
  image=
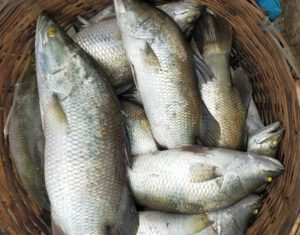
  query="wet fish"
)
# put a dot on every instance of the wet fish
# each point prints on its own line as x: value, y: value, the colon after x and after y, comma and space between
x: 26, y: 137
x: 159, y: 223
x: 163, y: 70
x: 138, y: 129
x: 102, y: 39
x: 233, y: 220
x: 266, y: 140
x: 197, y: 179
x: 84, y: 152
x: 226, y: 101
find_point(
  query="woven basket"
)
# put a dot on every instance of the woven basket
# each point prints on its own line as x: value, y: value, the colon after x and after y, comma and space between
x: 265, y: 58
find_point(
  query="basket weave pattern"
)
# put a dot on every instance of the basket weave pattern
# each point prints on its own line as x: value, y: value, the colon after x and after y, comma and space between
x: 276, y: 92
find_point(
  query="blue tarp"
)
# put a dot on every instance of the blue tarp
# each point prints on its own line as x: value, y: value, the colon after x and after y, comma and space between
x: 271, y: 7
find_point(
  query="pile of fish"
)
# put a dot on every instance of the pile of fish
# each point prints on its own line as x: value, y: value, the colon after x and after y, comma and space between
x: 139, y: 106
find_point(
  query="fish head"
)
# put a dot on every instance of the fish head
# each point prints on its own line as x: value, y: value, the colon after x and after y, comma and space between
x: 266, y: 140
x: 54, y: 50
x: 184, y: 13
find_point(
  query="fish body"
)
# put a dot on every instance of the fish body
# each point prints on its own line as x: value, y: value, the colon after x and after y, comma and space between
x: 224, y: 101
x: 159, y: 223
x: 102, y: 39
x: 266, y: 140
x: 26, y: 137
x: 84, y: 153
x: 233, y: 220
x: 138, y: 129
x: 197, y: 179
x: 163, y: 71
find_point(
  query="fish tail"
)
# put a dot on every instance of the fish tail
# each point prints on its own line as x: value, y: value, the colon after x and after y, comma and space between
x: 213, y: 34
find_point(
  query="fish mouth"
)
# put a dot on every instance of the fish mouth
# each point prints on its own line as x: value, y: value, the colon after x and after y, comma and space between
x: 273, y: 131
x: 272, y: 166
x: 272, y: 128
x: 43, y: 21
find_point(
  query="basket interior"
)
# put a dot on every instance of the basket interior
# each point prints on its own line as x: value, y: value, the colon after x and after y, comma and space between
x: 274, y: 86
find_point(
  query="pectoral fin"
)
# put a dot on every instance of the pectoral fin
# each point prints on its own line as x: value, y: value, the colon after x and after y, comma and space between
x: 200, y: 172
x: 56, y: 112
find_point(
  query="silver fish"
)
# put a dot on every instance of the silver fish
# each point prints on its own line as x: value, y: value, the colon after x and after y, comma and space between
x: 227, y: 102
x: 266, y: 140
x: 163, y: 70
x: 159, y: 223
x: 233, y: 220
x: 253, y: 120
x: 102, y: 39
x: 138, y: 129
x: 26, y: 136
x: 197, y: 179
x: 84, y: 153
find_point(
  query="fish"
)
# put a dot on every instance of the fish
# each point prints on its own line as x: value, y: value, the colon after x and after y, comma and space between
x: 138, y: 129
x: 26, y: 136
x: 234, y: 219
x: 101, y: 38
x: 160, y: 223
x: 226, y: 100
x: 195, y: 179
x: 266, y: 141
x: 85, y: 151
x: 163, y: 71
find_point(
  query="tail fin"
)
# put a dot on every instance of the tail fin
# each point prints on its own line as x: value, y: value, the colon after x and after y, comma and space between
x: 213, y: 34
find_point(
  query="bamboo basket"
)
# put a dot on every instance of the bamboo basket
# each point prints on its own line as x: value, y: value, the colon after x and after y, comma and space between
x: 260, y: 50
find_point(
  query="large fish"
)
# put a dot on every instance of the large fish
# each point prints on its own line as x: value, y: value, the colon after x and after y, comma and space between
x: 196, y: 179
x: 26, y: 137
x: 233, y: 220
x: 102, y: 39
x: 84, y: 152
x: 163, y: 70
x: 138, y: 129
x: 226, y: 102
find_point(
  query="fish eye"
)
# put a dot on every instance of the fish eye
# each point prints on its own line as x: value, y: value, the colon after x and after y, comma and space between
x: 274, y: 143
x: 51, y: 32
x: 255, y: 212
x: 269, y: 179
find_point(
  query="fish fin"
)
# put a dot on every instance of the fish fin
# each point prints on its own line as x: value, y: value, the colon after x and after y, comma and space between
x: 57, y: 111
x: 56, y: 229
x: 127, y: 220
x: 203, y: 72
x: 128, y: 159
x: 123, y: 88
x: 200, y: 172
x: 71, y: 32
x: 107, y: 12
x: 213, y: 34
x: 196, y: 223
x: 194, y: 149
x: 241, y: 82
x: 134, y: 75
x: 150, y: 55
x: 210, y: 131
x: 83, y: 21
x: 8, y: 121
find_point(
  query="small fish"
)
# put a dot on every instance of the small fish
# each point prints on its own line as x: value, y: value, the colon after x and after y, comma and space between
x: 235, y: 219
x: 196, y: 179
x: 85, y: 171
x: 159, y: 223
x: 26, y: 136
x: 101, y: 38
x: 226, y: 100
x: 163, y: 70
x: 138, y: 129
x: 266, y: 140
